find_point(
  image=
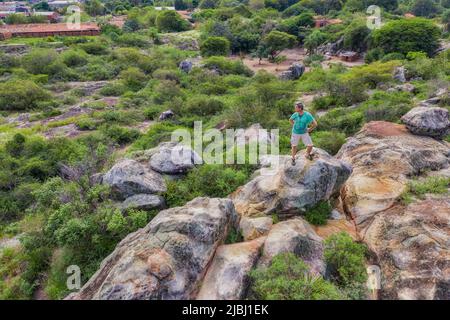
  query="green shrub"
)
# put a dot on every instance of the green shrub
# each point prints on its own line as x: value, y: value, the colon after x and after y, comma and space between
x: 203, y: 106
x: 215, y: 46
x: 288, y: 278
x: 157, y: 133
x: 419, y: 188
x: 21, y: 95
x: 407, y: 35
x: 39, y: 61
x: 170, y: 21
x: 121, y: 135
x: 206, y: 180
x: 345, y: 259
x: 227, y: 66
x: 319, y: 214
x: 94, y: 47
x: 133, y: 78
x: 330, y: 141
x: 73, y: 58
x: 86, y: 124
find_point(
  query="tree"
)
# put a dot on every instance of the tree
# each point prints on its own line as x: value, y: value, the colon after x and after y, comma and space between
x: 314, y: 40
x: 170, y: 21
x: 356, y: 36
x: 41, y: 6
x: 424, y: 8
x: 407, y: 35
x: 276, y: 41
x: 94, y: 8
x: 215, y: 46
x: 180, y: 5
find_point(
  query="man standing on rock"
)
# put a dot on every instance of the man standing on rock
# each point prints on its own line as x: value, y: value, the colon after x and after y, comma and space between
x: 302, y: 123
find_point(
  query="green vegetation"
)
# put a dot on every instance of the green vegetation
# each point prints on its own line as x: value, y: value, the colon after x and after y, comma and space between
x: 288, y: 278
x: 70, y: 106
x: 319, y: 214
x: 345, y: 259
x: 430, y: 185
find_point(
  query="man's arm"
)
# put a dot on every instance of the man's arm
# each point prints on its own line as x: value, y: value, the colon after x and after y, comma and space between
x: 291, y: 122
x: 312, y: 126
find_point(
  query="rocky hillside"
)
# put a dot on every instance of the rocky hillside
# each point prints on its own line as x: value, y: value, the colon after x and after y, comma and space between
x: 181, y: 253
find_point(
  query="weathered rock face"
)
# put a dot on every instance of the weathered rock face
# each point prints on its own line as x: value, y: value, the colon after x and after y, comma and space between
x: 383, y: 155
x: 428, y: 121
x: 227, y: 276
x: 128, y: 178
x: 143, y: 202
x: 410, y: 242
x: 173, y: 158
x: 294, y: 236
x: 252, y: 228
x: 413, y: 245
x: 168, y: 114
x: 292, y: 189
x: 400, y: 74
x: 294, y: 72
x: 168, y: 258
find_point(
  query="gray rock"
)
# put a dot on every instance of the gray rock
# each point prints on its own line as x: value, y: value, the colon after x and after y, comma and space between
x: 165, y: 260
x: 335, y: 215
x: 428, y: 121
x: 399, y: 74
x: 185, y: 66
x: 294, y: 236
x: 143, y: 202
x: 294, y: 72
x: 227, y: 277
x: 289, y: 189
x: 173, y: 158
x: 129, y: 177
x: 406, y: 87
x: 252, y: 228
x: 169, y: 114
x: 10, y: 242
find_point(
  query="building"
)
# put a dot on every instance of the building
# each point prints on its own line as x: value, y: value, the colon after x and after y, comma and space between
x: 50, y: 15
x: 349, y: 56
x: 47, y: 30
x: 321, y: 21
x: 60, y: 4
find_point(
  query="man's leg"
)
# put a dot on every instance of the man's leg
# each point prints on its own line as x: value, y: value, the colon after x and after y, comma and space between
x: 309, y: 145
x: 293, y: 151
x: 294, y: 142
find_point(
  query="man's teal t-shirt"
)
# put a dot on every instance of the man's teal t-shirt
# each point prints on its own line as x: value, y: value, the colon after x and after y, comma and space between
x: 301, y: 122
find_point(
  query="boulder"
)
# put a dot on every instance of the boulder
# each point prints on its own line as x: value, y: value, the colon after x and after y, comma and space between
x: 428, y: 121
x: 173, y: 158
x: 383, y: 155
x: 409, y: 242
x: 128, y: 178
x: 185, y: 66
x: 227, y: 277
x: 400, y: 74
x: 253, y: 134
x: 168, y: 114
x: 294, y: 236
x: 252, y: 228
x: 405, y: 87
x: 289, y: 189
x: 143, y: 202
x: 165, y: 260
x: 294, y: 72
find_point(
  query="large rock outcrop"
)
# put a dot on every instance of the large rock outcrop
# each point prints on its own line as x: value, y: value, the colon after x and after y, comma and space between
x: 428, y: 121
x: 173, y: 158
x: 129, y: 177
x: 292, y: 189
x: 410, y: 241
x: 383, y: 156
x: 168, y: 258
x: 227, y: 277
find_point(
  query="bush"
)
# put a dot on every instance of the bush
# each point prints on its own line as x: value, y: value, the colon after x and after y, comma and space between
x: 203, y: 106
x: 407, y: 35
x: 227, y: 66
x: 430, y: 185
x: 206, y: 180
x: 318, y: 215
x: 73, y: 58
x: 215, y: 46
x: 330, y: 141
x: 133, y: 78
x: 39, y: 61
x: 21, y: 95
x: 345, y: 259
x: 288, y: 278
x: 170, y: 21
x: 121, y: 135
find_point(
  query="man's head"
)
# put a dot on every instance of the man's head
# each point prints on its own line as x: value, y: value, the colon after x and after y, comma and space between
x: 299, y: 107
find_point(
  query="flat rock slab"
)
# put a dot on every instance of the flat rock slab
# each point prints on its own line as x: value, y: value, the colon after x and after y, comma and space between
x: 252, y: 228
x: 227, y: 277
